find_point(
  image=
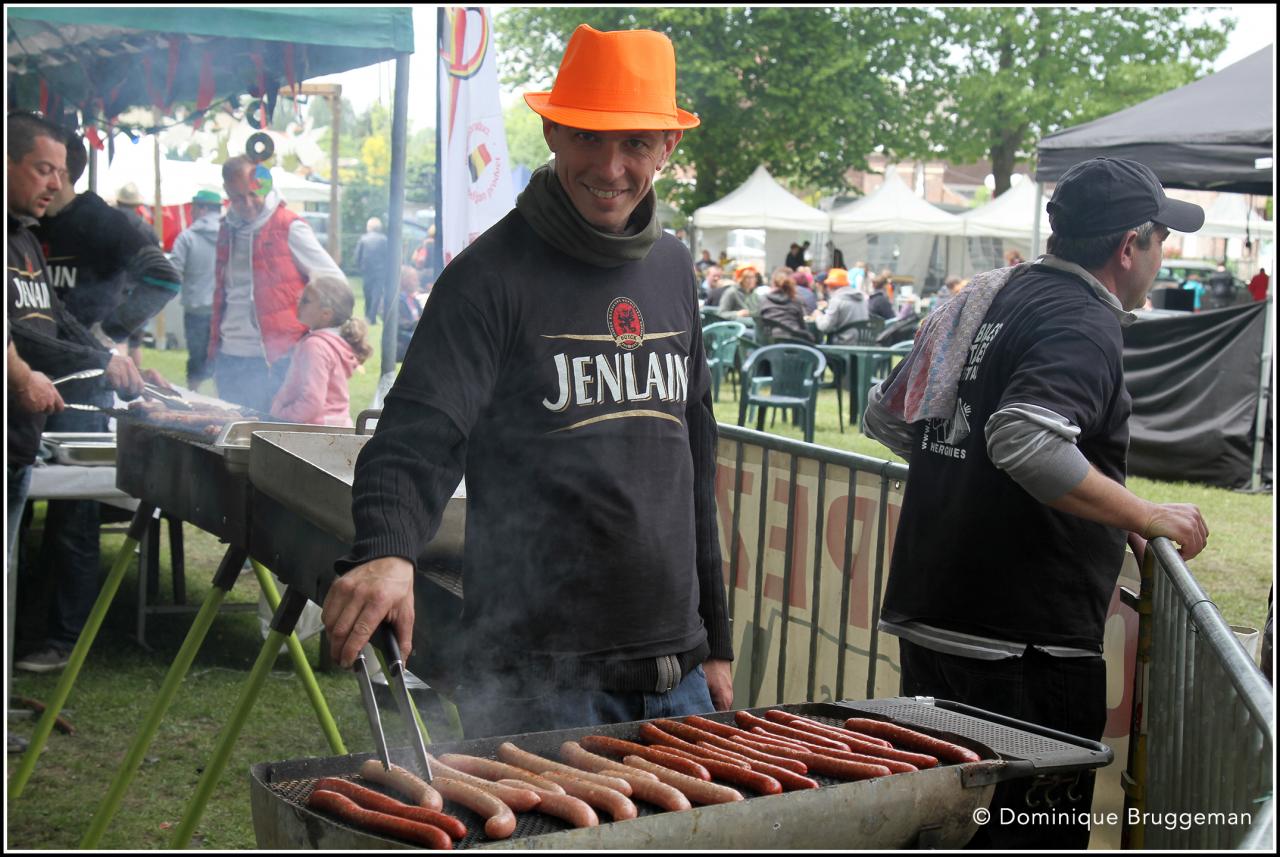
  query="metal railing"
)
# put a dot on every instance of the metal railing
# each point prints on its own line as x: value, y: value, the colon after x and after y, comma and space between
x: 808, y: 532
x: 1204, y: 775
x: 854, y: 564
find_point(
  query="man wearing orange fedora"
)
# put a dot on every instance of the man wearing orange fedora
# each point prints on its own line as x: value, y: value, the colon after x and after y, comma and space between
x: 559, y: 367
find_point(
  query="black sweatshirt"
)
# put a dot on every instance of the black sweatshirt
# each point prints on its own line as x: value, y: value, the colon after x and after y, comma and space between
x: 104, y: 268
x: 48, y: 338
x: 576, y: 400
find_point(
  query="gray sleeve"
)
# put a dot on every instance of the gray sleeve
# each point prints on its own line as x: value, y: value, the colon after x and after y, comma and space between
x: 1037, y: 448
x: 879, y: 424
x: 308, y: 255
x: 827, y: 319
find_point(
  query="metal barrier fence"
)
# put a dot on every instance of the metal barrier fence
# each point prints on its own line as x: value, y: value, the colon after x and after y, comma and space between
x: 1208, y: 740
x: 807, y: 533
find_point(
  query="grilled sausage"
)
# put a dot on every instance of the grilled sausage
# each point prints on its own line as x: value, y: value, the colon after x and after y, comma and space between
x: 378, y: 802
x: 499, y: 820
x: 880, y: 755
x: 405, y: 782
x: 733, y: 772
x: 609, y: 799
x: 697, y: 791
x: 789, y: 779
x: 827, y: 765
x: 656, y: 755
x: 492, y: 769
x: 895, y: 765
x: 646, y: 787
x: 805, y: 725
x: 573, y: 753
x: 351, y: 812
x: 520, y: 800
x: 901, y: 736
x: 749, y: 721
x: 513, y: 755
x: 560, y: 805
x: 704, y: 754
x: 693, y: 734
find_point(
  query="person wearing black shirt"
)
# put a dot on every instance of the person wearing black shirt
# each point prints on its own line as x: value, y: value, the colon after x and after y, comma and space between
x: 559, y: 365
x: 47, y: 337
x: 1015, y: 516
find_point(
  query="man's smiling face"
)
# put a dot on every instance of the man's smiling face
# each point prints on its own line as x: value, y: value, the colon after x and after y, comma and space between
x: 608, y: 173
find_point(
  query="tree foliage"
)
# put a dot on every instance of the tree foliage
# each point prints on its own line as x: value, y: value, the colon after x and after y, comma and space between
x: 808, y: 92
x: 1011, y: 75
x: 811, y: 92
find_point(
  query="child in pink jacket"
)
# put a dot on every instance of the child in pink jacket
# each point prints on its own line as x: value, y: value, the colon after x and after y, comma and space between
x: 315, y: 389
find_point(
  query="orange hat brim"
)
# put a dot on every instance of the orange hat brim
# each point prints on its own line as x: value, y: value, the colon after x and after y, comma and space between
x: 602, y: 120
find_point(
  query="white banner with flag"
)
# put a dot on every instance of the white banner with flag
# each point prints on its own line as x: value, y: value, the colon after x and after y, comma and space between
x: 476, y: 190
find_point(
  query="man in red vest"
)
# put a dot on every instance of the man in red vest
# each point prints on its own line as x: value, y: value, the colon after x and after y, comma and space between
x: 266, y: 255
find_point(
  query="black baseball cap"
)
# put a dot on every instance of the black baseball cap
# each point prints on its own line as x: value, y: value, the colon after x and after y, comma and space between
x: 1103, y: 196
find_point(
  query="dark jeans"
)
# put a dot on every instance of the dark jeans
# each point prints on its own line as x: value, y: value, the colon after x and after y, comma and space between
x: 500, y: 706
x: 1066, y: 694
x: 70, y: 551
x: 196, y: 326
x: 375, y: 288
x: 249, y: 381
x: 18, y: 486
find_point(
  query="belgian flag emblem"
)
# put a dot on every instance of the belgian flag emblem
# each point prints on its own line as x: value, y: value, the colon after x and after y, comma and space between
x: 478, y: 160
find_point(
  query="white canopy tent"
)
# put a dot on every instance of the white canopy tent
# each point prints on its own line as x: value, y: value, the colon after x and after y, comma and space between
x: 1010, y: 218
x: 892, y: 227
x: 760, y: 203
x: 179, y: 180
x: 1231, y: 217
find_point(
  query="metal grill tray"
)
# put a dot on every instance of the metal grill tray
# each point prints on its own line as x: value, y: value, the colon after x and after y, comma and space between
x: 1029, y: 748
x: 931, y: 807
x: 93, y: 449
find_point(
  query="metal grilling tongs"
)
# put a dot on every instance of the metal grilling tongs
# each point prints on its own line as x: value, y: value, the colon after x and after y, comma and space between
x: 384, y: 638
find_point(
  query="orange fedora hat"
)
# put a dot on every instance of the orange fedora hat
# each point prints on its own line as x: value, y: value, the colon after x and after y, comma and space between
x: 616, y: 81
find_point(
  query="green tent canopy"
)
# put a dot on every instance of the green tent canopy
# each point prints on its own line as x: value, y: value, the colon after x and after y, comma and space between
x: 103, y: 60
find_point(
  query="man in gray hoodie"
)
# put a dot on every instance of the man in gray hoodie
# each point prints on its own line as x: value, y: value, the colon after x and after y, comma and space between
x: 194, y: 255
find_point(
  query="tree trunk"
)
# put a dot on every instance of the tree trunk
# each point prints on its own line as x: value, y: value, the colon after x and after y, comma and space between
x: 1003, y: 155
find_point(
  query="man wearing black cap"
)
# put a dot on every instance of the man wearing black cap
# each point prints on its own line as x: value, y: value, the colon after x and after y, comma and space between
x: 1001, y: 603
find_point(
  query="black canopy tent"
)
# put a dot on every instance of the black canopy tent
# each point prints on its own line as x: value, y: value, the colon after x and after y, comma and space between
x: 1214, y: 134
x: 1207, y: 135
x: 99, y: 61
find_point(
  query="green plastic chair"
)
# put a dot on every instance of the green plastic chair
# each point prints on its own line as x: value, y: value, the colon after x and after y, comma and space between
x: 794, y: 372
x: 720, y: 341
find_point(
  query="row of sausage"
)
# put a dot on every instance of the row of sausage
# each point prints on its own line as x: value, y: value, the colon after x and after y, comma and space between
x: 684, y: 762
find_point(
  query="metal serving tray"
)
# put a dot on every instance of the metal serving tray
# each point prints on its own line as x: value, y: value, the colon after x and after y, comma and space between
x: 234, y: 439
x: 85, y: 449
x: 311, y: 474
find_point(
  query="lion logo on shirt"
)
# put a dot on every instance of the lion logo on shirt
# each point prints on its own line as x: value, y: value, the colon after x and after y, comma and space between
x: 626, y: 325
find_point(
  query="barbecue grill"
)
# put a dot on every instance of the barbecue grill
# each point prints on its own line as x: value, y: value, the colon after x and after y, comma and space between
x: 928, y: 808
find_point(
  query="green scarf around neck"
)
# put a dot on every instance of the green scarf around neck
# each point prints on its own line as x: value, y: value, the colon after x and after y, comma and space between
x: 547, y: 207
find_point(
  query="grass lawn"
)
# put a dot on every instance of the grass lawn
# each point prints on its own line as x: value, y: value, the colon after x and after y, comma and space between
x: 120, y: 679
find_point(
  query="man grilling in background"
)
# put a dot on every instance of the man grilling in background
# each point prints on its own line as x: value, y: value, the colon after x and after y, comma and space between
x: 559, y: 365
x: 47, y: 338
x: 1001, y: 603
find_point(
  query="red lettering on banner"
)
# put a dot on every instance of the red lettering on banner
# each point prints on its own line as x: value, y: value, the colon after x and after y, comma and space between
x: 726, y: 476
x: 773, y: 583
x: 864, y: 512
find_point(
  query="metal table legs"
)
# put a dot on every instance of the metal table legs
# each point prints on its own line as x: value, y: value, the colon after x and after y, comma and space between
x: 137, y: 529
x: 227, y: 574
x: 282, y: 624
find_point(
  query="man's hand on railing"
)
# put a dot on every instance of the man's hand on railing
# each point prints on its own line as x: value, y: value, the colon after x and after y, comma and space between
x: 1182, y: 524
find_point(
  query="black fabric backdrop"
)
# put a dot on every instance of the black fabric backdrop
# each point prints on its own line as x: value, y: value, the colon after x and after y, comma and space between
x: 1194, y: 382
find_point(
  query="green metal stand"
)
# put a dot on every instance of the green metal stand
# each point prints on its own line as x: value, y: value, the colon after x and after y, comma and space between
x: 137, y: 528
x: 282, y: 624
x: 223, y: 580
x: 303, y: 666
